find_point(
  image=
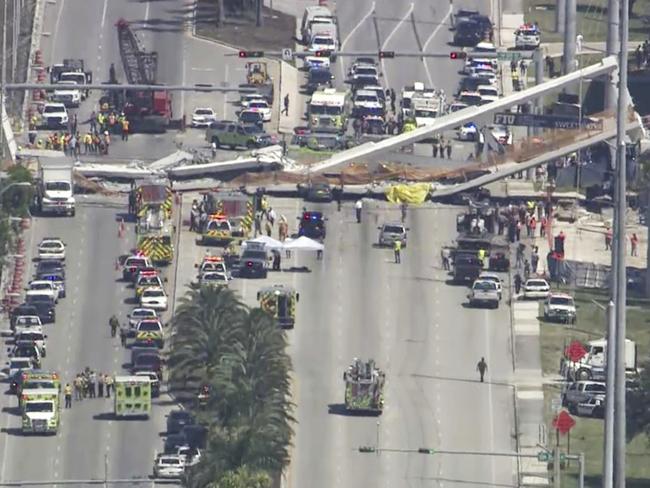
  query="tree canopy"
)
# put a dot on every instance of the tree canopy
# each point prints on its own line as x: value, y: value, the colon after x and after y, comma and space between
x: 239, y: 353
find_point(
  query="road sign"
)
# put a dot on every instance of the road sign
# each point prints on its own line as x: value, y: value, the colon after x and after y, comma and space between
x: 509, y: 55
x: 575, y: 351
x: 547, y: 456
x: 556, y: 404
x: 287, y: 54
x: 563, y: 422
x: 547, y: 121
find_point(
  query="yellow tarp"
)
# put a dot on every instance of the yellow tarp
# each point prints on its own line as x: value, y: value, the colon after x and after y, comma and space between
x: 415, y: 193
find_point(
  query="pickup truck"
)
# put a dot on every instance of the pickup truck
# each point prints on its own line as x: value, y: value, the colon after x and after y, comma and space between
x: 484, y: 293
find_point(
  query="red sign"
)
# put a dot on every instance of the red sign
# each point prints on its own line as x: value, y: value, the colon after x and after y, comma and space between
x: 576, y: 351
x: 563, y: 422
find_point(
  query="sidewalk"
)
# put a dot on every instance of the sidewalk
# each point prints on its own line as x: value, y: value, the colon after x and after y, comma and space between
x: 290, y: 81
x: 530, y: 395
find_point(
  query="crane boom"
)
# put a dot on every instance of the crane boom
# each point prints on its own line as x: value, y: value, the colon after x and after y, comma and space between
x: 140, y: 67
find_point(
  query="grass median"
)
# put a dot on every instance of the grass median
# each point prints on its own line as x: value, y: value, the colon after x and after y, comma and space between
x: 591, y: 19
x: 587, y: 435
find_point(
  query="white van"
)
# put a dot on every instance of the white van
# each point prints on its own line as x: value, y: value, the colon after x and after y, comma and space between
x: 310, y: 14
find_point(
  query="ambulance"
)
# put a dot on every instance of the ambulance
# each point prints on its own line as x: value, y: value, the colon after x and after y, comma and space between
x: 40, y: 410
x: 132, y: 397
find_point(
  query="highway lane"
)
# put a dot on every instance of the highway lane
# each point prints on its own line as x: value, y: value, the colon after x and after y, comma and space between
x: 357, y: 303
x: 162, y: 26
x: 81, y: 338
x: 406, y: 26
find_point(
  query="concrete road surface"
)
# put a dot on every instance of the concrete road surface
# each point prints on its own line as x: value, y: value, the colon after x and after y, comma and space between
x: 89, y: 439
x: 357, y: 303
x: 86, y: 30
x: 374, y: 25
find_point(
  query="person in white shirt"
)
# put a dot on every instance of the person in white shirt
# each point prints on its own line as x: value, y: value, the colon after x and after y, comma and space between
x: 358, y: 206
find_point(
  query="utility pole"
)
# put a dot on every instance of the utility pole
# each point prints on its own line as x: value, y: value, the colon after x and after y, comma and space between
x: 15, y: 30
x: 259, y: 20
x: 613, y: 42
x: 569, y: 51
x: 608, y: 452
x: 3, y: 80
x: 620, y: 278
x: 560, y: 13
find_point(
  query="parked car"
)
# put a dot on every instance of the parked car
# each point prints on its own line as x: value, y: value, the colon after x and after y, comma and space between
x: 560, y: 307
x: 581, y: 391
x: 593, y: 407
x: 234, y: 134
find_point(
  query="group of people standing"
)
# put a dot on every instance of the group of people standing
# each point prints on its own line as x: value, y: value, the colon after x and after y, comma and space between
x: 89, y: 384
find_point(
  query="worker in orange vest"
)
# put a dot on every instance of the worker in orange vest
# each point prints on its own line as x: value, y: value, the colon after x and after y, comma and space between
x: 125, y: 129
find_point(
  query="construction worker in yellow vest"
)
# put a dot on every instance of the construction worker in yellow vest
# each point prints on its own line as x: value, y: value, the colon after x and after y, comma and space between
x: 481, y: 256
x: 397, y: 248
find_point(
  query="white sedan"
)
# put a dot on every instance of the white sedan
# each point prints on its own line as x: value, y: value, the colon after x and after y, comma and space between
x: 263, y: 107
x: 536, y: 288
x: 154, y: 298
x: 494, y: 278
x: 169, y: 466
x: 51, y: 248
x: 203, y: 117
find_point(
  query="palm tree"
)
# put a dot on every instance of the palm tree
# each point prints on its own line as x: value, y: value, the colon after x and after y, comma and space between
x: 241, y: 354
x: 253, y: 369
x: 243, y: 477
x: 206, y: 324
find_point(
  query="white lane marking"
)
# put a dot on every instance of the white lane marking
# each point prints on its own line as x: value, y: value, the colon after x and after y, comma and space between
x: 351, y: 33
x: 105, y: 8
x: 56, y: 31
x: 433, y: 34
x: 392, y: 33
x: 146, y: 15
x: 183, y: 92
x: 490, y: 393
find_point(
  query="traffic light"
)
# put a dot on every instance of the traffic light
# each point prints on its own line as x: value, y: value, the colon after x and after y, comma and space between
x: 322, y: 54
x: 424, y: 450
x: 457, y: 55
x: 366, y: 449
x: 386, y: 54
x: 251, y: 54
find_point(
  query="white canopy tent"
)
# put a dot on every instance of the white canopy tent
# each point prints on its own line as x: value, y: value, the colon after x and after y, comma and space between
x: 303, y: 244
x: 269, y: 242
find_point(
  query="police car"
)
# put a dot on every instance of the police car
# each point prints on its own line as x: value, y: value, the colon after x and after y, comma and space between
x: 527, y: 36
x: 147, y: 279
x: 51, y: 248
x: 212, y: 263
x: 138, y: 314
x: 213, y: 278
